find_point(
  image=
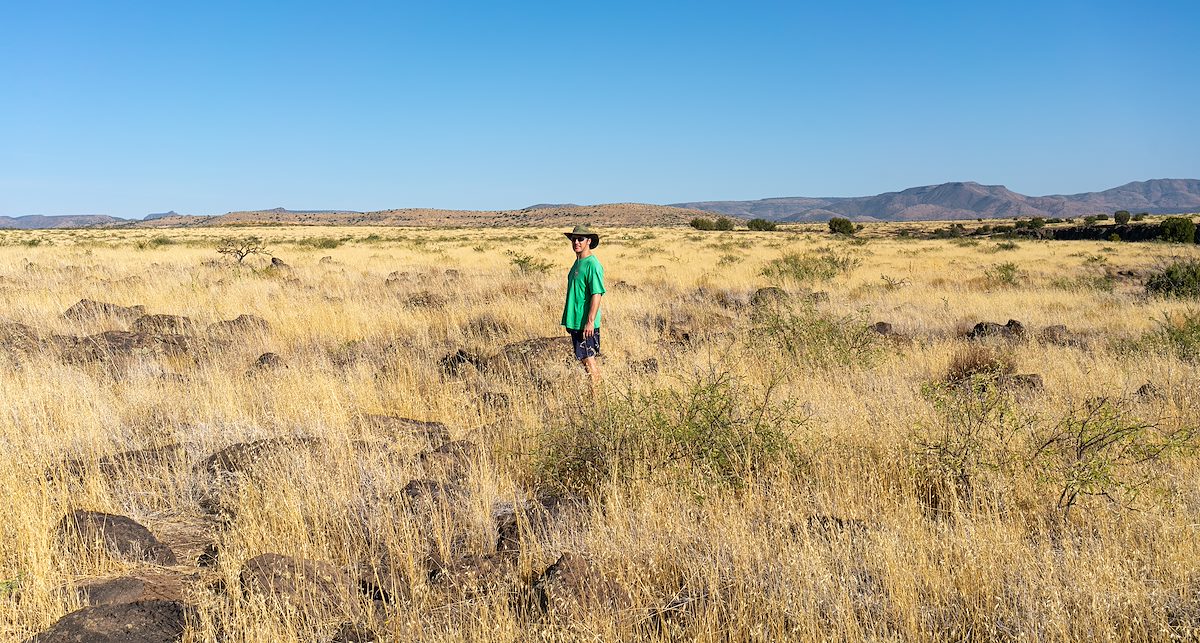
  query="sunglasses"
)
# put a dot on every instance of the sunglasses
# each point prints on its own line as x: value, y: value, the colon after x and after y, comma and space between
x: 574, y: 239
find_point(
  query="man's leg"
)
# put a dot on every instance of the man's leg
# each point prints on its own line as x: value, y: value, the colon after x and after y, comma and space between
x: 593, y: 369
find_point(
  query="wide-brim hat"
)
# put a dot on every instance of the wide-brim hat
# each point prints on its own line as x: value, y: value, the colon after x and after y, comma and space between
x: 584, y: 231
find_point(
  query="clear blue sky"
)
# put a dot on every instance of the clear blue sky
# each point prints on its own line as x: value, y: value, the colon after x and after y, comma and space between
x: 126, y: 108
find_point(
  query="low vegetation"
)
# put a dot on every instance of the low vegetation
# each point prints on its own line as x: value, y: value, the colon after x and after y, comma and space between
x: 797, y: 437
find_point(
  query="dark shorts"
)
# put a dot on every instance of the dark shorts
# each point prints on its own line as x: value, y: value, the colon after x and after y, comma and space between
x: 585, y: 348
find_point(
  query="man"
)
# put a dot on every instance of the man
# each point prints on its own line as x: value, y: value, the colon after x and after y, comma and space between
x: 585, y: 287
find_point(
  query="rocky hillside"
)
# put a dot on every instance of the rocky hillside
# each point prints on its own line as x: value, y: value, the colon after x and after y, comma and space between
x: 969, y: 200
x: 39, y: 222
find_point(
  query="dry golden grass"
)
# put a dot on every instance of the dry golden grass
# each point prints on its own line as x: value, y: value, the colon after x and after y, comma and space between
x: 901, y: 508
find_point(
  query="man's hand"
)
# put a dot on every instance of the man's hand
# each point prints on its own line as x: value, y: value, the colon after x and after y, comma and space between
x: 588, y: 330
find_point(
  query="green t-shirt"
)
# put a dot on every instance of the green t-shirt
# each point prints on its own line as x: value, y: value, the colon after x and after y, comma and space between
x: 585, y: 279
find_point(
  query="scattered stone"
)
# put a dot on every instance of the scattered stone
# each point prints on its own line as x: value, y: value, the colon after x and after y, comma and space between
x: 327, y: 259
x: 240, y: 325
x: 648, y: 366
x: 278, y: 264
x: 451, y: 458
x: 428, y: 494
x: 573, y: 586
x: 425, y: 299
x: 131, y: 589
x: 1013, y: 330
x: 1149, y: 390
x: 267, y: 362
x: 209, y: 557
x: 486, y: 326
x: 494, y: 400
x: 679, y: 612
x: 432, y: 434
x: 153, y: 621
x: 354, y: 633
x: 243, y: 456
x: 1028, y: 382
x: 452, y: 273
x: 508, y: 529
x: 883, y: 328
x: 833, y: 525
x: 115, y: 346
x: 396, y: 278
x: 121, y: 536
x: 89, y: 310
x: 301, y: 582
x: 19, y: 337
x: 475, y: 574
x: 818, y: 297
x: 165, y: 324
x: 770, y: 296
x: 453, y: 363
x: 120, y: 464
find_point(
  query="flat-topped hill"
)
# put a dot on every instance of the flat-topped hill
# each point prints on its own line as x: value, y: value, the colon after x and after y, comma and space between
x: 609, y: 214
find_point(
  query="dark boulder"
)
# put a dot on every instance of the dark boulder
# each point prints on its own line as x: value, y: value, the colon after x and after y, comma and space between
x: 242, y: 324
x: 1013, y: 330
x: 267, y: 362
x: 454, y: 363
x: 395, y: 428
x: 131, y: 589
x: 301, y: 582
x: 120, y: 536
x: 89, y: 310
x: 769, y: 296
x: 165, y: 324
x: 883, y: 328
x: 574, y: 586
x: 153, y: 621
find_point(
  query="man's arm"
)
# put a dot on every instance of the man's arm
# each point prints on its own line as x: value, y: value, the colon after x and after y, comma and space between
x: 589, y: 324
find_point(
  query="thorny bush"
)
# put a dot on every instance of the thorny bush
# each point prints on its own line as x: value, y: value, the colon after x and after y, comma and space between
x: 712, y: 430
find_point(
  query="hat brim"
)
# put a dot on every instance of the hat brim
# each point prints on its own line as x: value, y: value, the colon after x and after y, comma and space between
x: 594, y: 237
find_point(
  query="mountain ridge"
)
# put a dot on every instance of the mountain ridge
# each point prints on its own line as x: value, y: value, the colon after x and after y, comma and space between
x: 967, y: 200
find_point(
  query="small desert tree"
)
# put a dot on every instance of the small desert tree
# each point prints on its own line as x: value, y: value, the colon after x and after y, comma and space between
x: 241, y: 247
x: 723, y: 223
x: 700, y: 223
x: 841, y: 225
x: 1178, y: 230
x: 761, y: 225
x: 1122, y: 217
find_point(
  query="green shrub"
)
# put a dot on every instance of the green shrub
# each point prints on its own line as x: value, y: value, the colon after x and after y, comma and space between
x: 841, y: 225
x: 1178, y: 230
x: 712, y: 430
x: 1099, y: 450
x: 1005, y: 245
x: 1005, y: 274
x: 1090, y: 219
x: 1180, y: 279
x: 809, y: 268
x: 1102, y: 217
x: 818, y: 339
x: 528, y: 264
x: 1177, y: 334
x: 700, y: 223
x: 723, y: 223
x: 1141, y: 216
x: 1121, y: 217
x: 320, y: 243
x: 761, y: 225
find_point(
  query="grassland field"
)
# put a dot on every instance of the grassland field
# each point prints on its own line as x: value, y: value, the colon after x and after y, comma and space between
x: 752, y: 468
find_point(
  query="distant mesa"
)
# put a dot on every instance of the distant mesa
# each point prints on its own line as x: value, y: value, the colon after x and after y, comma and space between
x: 40, y: 222
x: 549, y: 206
x: 161, y: 215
